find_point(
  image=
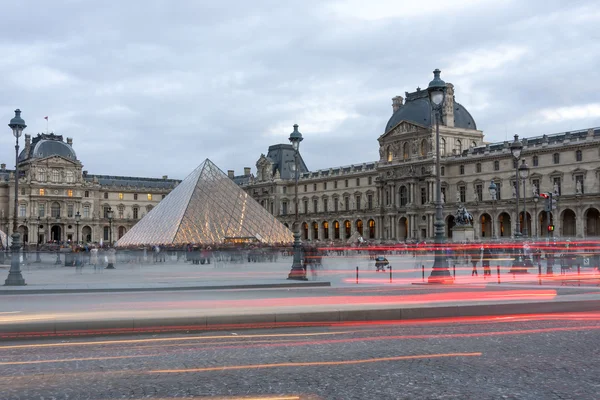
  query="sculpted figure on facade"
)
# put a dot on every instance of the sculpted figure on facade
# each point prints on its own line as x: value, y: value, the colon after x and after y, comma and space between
x: 578, y: 187
x: 555, y: 189
x: 514, y: 191
x: 534, y: 188
x: 381, y: 153
x: 458, y: 197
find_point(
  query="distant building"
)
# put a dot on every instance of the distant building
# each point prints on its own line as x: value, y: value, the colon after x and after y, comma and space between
x: 393, y: 198
x: 53, y: 187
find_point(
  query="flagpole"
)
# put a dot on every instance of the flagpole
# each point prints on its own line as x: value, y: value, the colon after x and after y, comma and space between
x: 46, y: 118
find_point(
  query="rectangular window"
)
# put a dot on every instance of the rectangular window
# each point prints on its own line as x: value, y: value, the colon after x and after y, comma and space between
x: 41, y: 210
x: 579, y: 184
x: 284, y: 189
x: 358, y: 202
x: 120, y: 196
x: 335, y: 184
x: 423, y: 195
x: 135, y: 212
x: 135, y: 196
x: 305, y: 188
x: 70, y: 193
x: 336, y: 205
x: 442, y: 171
x: 22, y: 210
x: 370, y: 201
x: 536, y: 161
x: 479, y: 191
x: 86, y: 211
x: 316, y: 205
x: 357, y: 181
x: 463, y: 193
x: 121, y: 210
x: 346, y: 182
x: 370, y: 181
x: 496, y: 165
x: 42, y: 192
x: 70, y: 210
x: 305, y: 206
x: 462, y: 169
x: 150, y: 196
x: 314, y: 187
x: 556, y: 185
x: 347, y: 203
x: 498, y: 190
x: 324, y: 185
x: 86, y: 194
x: 284, y: 208
x: 106, y: 195
x: 556, y: 158
x: 478, y: 167
x: 325, y: 205
x: 105, y: 210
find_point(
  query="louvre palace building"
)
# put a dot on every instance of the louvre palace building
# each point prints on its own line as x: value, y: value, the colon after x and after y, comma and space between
x: 393, y: 198
x: 390, y: 199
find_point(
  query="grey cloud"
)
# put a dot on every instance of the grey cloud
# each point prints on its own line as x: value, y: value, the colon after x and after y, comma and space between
x: 153, y: 87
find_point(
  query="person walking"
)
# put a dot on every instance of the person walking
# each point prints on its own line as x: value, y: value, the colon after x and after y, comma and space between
x: 94, y: 257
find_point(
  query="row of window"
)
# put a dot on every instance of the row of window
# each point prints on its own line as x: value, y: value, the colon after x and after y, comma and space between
x: 335, y: 184
x: 336, y: 230
x: 346, y: 206
x: 55, y: 176
x: 535, y: 161
x: 55, y: 211
x: 69, y: 193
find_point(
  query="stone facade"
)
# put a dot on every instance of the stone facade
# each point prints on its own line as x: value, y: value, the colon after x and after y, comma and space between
x: 53, y: 187
x: 394, y: 198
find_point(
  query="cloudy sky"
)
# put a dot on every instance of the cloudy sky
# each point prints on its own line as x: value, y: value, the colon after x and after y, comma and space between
x: 152, y: 88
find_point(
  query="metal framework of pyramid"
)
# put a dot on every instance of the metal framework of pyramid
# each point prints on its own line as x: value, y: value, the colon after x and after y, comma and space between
x: 207, y: 207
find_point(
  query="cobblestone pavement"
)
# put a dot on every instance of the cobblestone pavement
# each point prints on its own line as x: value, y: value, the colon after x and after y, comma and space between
x: 537, y: 357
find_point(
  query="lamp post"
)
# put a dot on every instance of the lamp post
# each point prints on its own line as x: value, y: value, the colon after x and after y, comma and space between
x: 77, y: 219
x: 536, y: 198
x: 493, y: 191
x: 440, y: 272
x: 297, y: 272
x: 524, y: 174
x: 15, y: 278
x: 515, y: 148
x: 109, y: 214
x: 37, y: 247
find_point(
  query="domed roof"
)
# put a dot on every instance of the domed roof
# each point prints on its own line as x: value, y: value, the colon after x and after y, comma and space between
x: 44, y: 146
x: 417, y: 109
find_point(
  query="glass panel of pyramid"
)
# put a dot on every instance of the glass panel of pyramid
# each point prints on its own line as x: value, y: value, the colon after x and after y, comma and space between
x: 207, y: 207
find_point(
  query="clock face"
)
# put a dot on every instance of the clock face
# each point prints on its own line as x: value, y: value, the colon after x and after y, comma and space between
x: 55, y: 191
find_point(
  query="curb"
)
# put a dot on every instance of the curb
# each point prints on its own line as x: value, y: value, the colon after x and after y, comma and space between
x: 166, y: 289
x: 284, y: 319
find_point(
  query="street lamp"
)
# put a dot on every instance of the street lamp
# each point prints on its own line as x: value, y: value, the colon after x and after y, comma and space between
x: 493, y: 191
x: 515, y: 148
x: 297, y: 272
x: 440, y: 272
x: 77, y: 219
x: 15, y: 278
x: 524, y: 174
x: 109, y: 214
x: 37, y: 247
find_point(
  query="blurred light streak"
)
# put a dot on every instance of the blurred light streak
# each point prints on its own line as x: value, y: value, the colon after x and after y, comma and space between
x: 313, y: 364
x: 172, y: 339
x: 75, y: 359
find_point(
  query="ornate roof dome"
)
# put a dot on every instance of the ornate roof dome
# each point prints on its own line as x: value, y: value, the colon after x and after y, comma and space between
x: 43, y: 146
x: 417, y: 109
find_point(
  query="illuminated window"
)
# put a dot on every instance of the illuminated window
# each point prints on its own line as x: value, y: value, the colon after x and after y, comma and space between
x: 149, y: 196
x: 42, y: 192
x: 120, y: 196
x: 70, y: 193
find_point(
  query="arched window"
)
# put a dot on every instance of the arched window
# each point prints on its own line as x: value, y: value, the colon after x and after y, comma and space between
x: 473, y: 144
x: 359, y: 227
x: 336, y: 230
x: 371, y: 229
x: 326, y: 230
x: 405, y: 151
x: 55, y: 175
x: 348, y: 227
x: 424, y: 148
x: 390, y: 154
x: 55, y: 210
x: 305, y: 231
x: 403, y: 196
x: 442, y: 147
x: 315, y: 231
x: 458, y: 146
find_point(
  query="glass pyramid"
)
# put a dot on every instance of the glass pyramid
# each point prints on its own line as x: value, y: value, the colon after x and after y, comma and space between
x: 207, y: 207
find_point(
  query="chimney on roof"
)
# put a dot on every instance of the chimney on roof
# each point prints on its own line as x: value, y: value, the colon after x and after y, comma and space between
x: 70, y: 141
x: 3, y: 167
x: 165, y: 177
x: 85, y: 173
x: 246, y: 170
x: 230, y: 173
x: 27, y: 145
x: 397, y: 102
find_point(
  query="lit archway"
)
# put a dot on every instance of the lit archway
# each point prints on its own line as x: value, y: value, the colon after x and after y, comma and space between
x: 371, y: 229
x: 348, y: 229
x: 121, y: 231
x: 504, y: 228
x: 359, y: 227
x: 86, y: 234
x: 325, y: 230
x: 486, y: 225
x: 315, y: 231
x: 336, y: 229
x: 304, y: 231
